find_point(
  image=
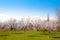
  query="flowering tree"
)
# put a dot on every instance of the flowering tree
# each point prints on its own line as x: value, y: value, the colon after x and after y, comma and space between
x: 12, y: 24
x: 58, y: 19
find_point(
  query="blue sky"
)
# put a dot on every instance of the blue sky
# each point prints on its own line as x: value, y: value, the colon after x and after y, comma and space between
x: 29, y: 7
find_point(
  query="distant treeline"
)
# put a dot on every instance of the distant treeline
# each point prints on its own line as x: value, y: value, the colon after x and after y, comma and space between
x: 37, y: 24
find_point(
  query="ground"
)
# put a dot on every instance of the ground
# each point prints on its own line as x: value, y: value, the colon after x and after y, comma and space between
x: 29, y: 35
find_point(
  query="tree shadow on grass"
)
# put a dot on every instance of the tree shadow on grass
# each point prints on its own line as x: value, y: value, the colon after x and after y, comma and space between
x: 34, y: 35
x: 18, y: 33
x: 4, y: 35
x: 56, y: 37
x: 45, y: 34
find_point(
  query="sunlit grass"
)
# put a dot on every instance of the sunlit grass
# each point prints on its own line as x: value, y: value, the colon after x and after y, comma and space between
x: 29, y: 35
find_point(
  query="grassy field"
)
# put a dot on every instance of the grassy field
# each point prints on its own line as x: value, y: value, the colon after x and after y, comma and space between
x: 29, y: 35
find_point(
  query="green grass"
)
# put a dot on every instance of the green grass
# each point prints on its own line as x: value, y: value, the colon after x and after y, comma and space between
x: 29, y: 35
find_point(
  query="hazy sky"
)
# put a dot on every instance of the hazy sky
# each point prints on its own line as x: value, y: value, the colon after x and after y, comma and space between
x: 29, y: 7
